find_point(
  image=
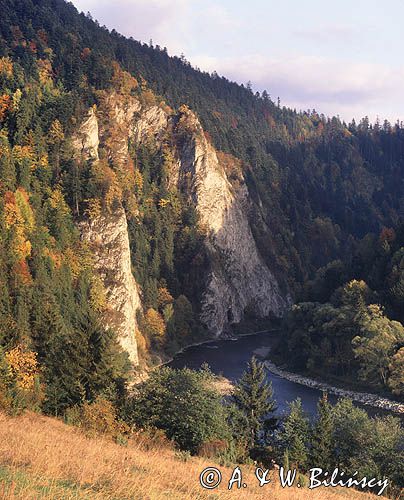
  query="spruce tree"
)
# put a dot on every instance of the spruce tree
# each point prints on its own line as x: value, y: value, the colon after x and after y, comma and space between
x: 254, y: 397
x: 321, y: 440
x: 294, y: 435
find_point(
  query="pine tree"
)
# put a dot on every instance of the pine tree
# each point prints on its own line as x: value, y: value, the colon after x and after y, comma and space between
x: 321, y: 440
x: 254, y: 397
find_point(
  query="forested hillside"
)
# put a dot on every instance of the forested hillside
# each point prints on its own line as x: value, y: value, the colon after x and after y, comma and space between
x: 316, y: 188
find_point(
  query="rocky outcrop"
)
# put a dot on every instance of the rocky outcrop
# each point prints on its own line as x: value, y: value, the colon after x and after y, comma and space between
x: 239, y: 278
x: 151, y: 124
x: 107, y: 235
x: 109, y: 242
x: 86, y: 140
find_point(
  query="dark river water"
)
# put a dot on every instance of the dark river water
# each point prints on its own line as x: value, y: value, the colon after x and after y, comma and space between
x: 229, y: 358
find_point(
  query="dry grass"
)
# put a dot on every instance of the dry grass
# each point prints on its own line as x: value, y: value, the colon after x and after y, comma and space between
x: 42, y: 458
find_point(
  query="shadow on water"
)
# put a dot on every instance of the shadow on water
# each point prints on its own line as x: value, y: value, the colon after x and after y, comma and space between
x: 229, y: 358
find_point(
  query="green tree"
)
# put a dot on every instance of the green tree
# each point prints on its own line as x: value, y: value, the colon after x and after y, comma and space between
x: 253, y: 395
x: 294, y: 436
x: 321, y: 450
x: 184, y: 404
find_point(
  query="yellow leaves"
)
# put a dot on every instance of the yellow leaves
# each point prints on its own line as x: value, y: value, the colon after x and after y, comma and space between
x: 45, y: 71
x: 138, y: 180
x: 23, y: 152
x: 78, y: 259
x: 142, y: 344
x: 57, y: 202
x: 122, y: 81
x: 148, y: 98
x: 55, y: 257
x: 18, y: 215
x: 154, y: 323
x: 22, y: 202
x: 163, y: 202
x: 56, y: 134
x: 23, y: 366
x: 27, y: 152
x: 93, y: 210
x: 107, y: 183
x: 164, y: 297
x: 16, y: 98
x: 43, y: 161
x: 11, y: 215
x: 98, y: 297
x: 6, y: 67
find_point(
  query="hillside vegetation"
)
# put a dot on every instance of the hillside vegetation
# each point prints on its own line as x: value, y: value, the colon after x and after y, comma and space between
x: 42, y: 458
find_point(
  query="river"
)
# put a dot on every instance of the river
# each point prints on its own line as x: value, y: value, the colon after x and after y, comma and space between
x: 229, y: 358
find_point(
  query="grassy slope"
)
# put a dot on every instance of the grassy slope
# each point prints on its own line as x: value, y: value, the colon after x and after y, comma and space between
x: 42, y: 458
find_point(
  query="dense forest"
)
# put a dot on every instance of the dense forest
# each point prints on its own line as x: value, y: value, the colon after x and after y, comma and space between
x: 326, y: 197
x: 326, y: 211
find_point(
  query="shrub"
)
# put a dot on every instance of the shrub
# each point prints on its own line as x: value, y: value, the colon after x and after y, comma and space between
x: 99, y: 417
x: 183, y: 404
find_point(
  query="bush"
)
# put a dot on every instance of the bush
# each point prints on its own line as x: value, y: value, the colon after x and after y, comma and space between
x: 97, y: 418
x: 182, y: 404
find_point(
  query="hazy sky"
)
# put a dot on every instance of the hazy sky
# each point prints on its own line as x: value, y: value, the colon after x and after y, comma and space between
x: 339, y: 56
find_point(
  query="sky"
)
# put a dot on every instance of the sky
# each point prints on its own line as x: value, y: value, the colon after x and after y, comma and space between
x: 340, y: 57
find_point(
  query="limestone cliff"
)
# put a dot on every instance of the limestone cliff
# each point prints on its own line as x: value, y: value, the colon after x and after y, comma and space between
x: 86, y: 140
x: 238, y: 278
x: 107, y: 234
x: 108, y: 239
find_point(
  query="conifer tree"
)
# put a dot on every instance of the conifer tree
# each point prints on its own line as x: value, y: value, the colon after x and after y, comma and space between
x: 254, y: 397
x: 294, y: 435
x: 321, y: 440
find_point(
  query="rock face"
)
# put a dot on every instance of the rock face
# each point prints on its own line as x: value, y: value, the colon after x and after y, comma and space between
x: 239, y: 278
x: 86, y: 141
x: 109, y: 242
x: 107, y: 235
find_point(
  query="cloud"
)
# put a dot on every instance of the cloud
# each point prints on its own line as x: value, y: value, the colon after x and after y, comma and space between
x: 341, y: 33
x: 161, y: 20
x: 331, y: 86
x: 176, y: 24
x: 214, y: 37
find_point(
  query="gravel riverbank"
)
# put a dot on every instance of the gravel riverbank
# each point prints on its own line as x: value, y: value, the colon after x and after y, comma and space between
x: 360, y: 397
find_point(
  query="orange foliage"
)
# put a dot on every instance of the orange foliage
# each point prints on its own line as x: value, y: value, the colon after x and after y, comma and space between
x: 387, y: 234
x: 154, y: 322
x: 5, y: 105
x: 123, y: 81
x: 32, y: 46
x: 21, y: 271
x: 85, y: 53
x: 23, y: 152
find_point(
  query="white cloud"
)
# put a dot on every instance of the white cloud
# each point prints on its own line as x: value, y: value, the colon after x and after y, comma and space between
x: 331, y: 86
x: 206, y: 31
